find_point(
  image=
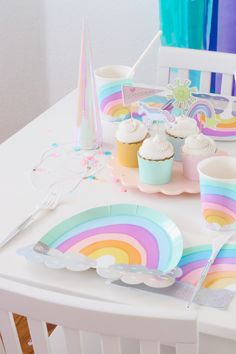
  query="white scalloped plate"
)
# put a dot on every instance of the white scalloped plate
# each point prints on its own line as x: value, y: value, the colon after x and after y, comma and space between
x: 129, y: 177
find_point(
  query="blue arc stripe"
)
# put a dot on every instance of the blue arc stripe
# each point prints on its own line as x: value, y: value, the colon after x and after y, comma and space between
x: 218, y: 191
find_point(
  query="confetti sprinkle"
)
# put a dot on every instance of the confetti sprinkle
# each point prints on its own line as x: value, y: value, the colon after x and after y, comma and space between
x: 54, y: 155
x: 54, y: 145
x: 91, y: 177
x: 107, y: 153
x: 115, y: 179
x: 76, y: 149
x: 84, y: 162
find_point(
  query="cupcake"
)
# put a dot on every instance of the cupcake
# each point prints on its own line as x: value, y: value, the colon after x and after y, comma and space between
x: 130, y: 135
x: 155, y: 159
x: 195, y: 149
x: 177, y: 132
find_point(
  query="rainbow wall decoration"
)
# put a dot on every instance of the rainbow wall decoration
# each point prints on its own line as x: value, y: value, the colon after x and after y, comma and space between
x: 218, y: 203
x: 222, y: 273
x: 210, y: 123
x: 111, y: 101
x: 131, y: 234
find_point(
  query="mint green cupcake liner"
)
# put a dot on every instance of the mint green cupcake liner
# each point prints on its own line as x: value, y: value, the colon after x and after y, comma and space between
x: 155, y: 172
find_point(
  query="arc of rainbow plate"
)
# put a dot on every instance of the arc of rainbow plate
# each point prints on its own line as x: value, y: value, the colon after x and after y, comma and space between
x: 126, y: 234
x: 222, y: 273
x: 210, y: 123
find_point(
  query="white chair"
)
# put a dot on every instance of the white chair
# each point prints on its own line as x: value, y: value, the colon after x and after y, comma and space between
x: 201, y: 60
x: 109, y: 321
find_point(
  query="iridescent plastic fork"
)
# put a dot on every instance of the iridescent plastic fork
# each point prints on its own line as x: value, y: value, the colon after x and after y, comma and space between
x: 217, y: 244
x: 50, y: 202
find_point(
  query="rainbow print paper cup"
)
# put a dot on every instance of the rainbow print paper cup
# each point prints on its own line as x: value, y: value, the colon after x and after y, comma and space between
x: 218, y: 192
x: 109, y: 82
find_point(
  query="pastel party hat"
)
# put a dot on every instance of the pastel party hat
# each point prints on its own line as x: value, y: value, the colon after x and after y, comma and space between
x: 89, y: 131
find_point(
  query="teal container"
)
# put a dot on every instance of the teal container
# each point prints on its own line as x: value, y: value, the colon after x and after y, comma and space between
x: 155, y: 172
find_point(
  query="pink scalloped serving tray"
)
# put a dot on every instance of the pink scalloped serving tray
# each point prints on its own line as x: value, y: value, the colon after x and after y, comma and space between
x: 129, y: 177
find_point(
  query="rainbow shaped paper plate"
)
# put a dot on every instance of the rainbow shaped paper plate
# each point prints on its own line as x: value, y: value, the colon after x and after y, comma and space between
x: 215, y: 116
x: 222, y: 274
x: 129, y: 242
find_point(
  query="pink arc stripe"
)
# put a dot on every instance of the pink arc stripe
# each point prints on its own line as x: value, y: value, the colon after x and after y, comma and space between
x: 116, y: 237
x: 193, y: 276
x: 218, y: 207
x: 143, y: 236
x: 201, y: 263
x: 219, y: 199
x: 115, y: 96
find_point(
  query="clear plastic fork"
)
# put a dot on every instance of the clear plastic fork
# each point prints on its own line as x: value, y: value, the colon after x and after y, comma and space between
x: 50, y: 202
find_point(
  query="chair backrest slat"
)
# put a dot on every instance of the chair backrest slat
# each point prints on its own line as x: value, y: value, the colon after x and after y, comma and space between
x: 205, y: 81
x: 206, y: 62
x: 193, y: 59
x: 109, y: 322
x: 72, y: 339
x: 147, y: 347
x: 185, y: 348
x: 110, y: 345
x: 183, y: 74
x: 39, y: 336
x: 227, y: 84
x: 9, y: 333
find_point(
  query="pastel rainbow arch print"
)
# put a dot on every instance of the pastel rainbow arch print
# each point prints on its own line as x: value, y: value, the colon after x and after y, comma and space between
x: 210, y: 123
x: 218, y: 203
x: 128, y: 234
x: 201, y: 107
x: 111, y: 101
x: 222, y: 273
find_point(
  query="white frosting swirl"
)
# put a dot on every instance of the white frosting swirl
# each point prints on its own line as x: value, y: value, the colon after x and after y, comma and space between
x: 183, y: 127
x: 200, y: 145
x: 131, y: 131
x: 156, y: 148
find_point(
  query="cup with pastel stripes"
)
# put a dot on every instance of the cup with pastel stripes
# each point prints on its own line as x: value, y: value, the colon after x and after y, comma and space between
x: 109, y: 82
x: 218, y: 192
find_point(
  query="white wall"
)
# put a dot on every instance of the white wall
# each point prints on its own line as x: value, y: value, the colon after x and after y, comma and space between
x: 40, y: 42
x: 23, y: 75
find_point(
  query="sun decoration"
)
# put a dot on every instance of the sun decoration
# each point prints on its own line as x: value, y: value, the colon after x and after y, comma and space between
x: 181, y: 93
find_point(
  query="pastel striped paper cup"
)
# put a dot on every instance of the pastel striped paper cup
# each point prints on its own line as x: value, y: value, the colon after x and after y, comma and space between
x: 109, y: 82
x: 218, y: 192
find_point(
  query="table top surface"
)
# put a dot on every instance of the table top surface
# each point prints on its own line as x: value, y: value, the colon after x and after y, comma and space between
x: 21, y: 152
